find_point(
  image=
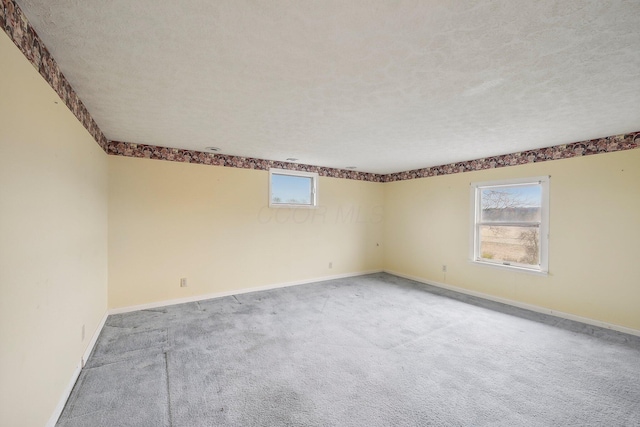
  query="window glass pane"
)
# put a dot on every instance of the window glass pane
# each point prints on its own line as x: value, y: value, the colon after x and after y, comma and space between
x: 520, y: 203
x: 289, y: 189
x: 512, y: 244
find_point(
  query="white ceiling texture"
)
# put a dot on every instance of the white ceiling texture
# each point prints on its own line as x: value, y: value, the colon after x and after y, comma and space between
x: 384, y: 85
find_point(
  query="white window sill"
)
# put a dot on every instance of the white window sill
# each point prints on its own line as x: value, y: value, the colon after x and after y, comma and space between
x: 517, y: 268
x: 284, y: 205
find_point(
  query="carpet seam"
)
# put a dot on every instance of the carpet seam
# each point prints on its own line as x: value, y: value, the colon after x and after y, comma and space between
x: 166, y: 367
x: 112, y: 362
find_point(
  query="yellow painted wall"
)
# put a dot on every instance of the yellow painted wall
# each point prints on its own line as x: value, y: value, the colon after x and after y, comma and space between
x: 594, y: 236
x: 213, y: 226
x: 53, y: 242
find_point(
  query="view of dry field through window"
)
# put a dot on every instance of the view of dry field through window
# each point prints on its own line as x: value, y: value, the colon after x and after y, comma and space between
x: 515, y: 244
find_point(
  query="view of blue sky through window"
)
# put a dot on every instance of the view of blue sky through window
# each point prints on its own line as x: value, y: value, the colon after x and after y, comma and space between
x: 529, y: 195
x: 290, y: 189
x: 510, y: 197
x: 511, y: 203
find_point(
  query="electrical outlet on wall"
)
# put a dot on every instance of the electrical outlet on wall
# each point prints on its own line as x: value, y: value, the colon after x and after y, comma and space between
x: 444, y: 268
x: 183, y: 282
x: 82, y: 339
x: 331, y: 264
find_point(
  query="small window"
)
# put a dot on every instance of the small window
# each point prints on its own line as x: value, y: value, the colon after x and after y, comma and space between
x: 292, y: 188
x: 511, y: 223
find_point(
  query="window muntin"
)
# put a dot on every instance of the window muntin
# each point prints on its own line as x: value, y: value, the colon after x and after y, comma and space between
x: 292, y: 188
x: 510, y: 223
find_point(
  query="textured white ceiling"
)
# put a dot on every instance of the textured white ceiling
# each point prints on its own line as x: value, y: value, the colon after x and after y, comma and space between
x: 383, y: 85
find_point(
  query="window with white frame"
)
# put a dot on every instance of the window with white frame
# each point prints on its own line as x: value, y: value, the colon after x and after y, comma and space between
x: 289, y: 188
x: 510, y: 223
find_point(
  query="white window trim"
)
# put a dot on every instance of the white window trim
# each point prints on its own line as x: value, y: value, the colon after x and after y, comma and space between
x: 474, y: 243
x: 314, y: 188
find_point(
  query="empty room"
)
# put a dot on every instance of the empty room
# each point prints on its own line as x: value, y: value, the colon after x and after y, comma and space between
x: 319, y: 213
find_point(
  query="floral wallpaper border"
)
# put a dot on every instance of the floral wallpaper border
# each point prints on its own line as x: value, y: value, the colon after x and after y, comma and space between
x: 607, y: 144
x: 128, y: 149
x: 15, y: 24
x: 566, y: 151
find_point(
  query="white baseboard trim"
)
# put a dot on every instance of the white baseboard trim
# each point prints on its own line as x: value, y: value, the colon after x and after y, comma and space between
x: 76, y: 373
x: 234, y: 292
x: 518, y: 304
x: 65, y: 396
x: 94, y: 339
